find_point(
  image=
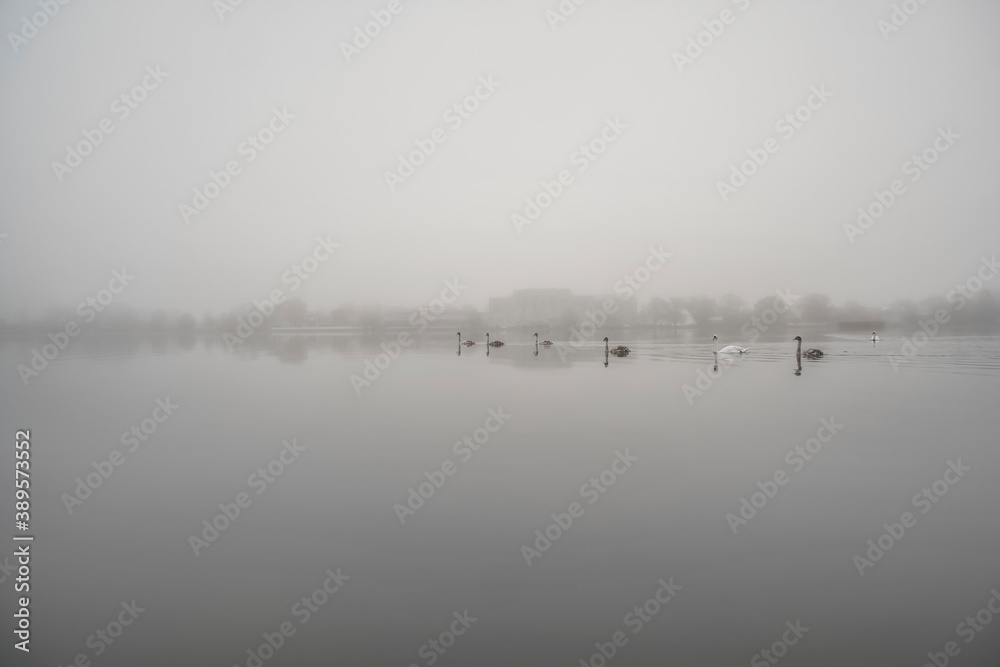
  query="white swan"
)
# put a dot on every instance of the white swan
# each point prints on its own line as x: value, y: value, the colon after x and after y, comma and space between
x: 874, y: 337
x: 729, y: 349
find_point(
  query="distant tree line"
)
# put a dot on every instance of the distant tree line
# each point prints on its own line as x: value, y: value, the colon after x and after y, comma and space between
x: 729, y: 312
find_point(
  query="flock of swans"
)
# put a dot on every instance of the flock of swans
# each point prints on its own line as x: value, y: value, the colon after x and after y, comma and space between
x: 622, y: 351
x: 619, y: 351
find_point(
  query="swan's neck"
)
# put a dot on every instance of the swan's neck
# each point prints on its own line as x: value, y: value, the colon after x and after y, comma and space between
x: 799, y: 350
x: 605, y: 346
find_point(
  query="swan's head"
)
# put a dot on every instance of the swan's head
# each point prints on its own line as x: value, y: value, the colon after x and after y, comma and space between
x: 536, y: 335
x: 605, y: 339
x: 798, y: 338
x: 715, y: 338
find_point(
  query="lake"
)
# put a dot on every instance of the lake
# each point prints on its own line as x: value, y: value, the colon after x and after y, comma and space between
x: 684, y: 515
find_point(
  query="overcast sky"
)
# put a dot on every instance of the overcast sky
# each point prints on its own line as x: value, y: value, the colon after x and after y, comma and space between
x: 656, y: 184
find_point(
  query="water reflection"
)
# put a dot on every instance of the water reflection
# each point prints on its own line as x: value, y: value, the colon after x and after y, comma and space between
x: 696, y: 462
x: 291, y: 351
x: 946, y: 354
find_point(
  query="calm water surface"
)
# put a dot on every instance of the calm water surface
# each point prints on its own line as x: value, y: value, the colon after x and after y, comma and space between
x: 695, y: 457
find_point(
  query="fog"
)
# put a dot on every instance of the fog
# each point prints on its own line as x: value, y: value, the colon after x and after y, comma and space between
x: 566, y: 305
x: 879, y: 96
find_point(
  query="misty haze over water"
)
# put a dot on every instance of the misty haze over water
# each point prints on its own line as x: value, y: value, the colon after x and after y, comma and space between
x: 459, y: 333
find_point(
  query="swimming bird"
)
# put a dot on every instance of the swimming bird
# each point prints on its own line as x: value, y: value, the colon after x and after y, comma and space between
x: 874, y: 337
x: 811, y: 353
x: 729, y: 349
x: 496, y: 343
x: 467, y: 343
x: 620, y: 351
x: 544, y: 342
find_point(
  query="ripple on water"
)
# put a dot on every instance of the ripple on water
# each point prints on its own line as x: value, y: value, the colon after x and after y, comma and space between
x: 962, y: 355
